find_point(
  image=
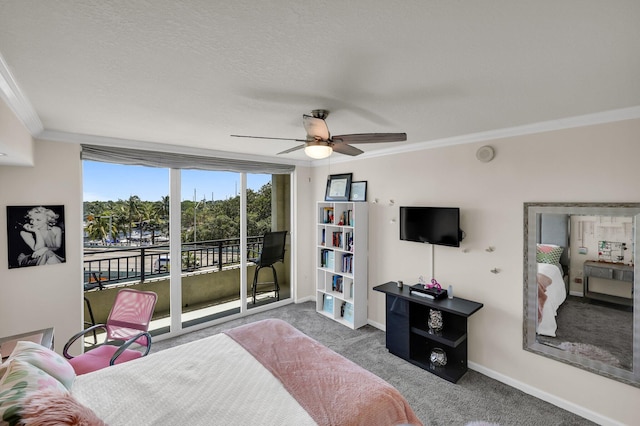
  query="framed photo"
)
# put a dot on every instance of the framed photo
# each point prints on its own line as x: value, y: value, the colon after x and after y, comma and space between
x: 358, y: 191
x: 35, y: 235
x: 338, y: 187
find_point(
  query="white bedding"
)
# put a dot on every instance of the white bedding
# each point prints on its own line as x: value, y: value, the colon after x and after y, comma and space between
x: 171, y: 388
x: 556, y: 295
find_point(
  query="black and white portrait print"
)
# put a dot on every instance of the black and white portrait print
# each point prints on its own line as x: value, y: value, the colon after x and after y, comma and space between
x: 35, y: 235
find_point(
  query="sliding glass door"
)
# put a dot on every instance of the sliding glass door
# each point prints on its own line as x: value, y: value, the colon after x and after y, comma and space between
x: 197, y: 258
x: 268, y: 210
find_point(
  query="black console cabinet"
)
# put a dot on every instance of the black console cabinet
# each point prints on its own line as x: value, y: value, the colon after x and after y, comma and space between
x: 408, y: 335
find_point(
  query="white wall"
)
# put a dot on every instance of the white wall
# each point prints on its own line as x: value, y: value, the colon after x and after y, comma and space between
x: 15, y: 140
x: 44, y: 296
x: 562, y: 165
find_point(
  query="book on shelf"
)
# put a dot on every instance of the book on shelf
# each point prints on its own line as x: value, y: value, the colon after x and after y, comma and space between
x: 327, y: 215
x: 346, y: 311
x: 327, y: 257
x: 348, y: 236
x: 323, y: 240
x: 336, y: 283
x: 337, y: 239
x: 347, y: 263
x: 327, y: 303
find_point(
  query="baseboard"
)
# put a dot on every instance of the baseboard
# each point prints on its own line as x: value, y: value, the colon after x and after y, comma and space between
x: 305, y: 299
x: 576, y: 293
x: 545, y: 396
x: 377, y: 325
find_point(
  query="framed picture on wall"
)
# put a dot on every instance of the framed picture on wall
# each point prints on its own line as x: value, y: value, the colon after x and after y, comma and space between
x: 35, y: 235
x: 338, y: 187
x: 358, y: 191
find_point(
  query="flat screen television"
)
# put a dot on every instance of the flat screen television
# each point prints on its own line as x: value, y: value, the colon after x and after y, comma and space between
x: 433, y: 225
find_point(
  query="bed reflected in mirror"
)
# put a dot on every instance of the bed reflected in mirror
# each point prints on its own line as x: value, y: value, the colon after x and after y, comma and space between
x: 579, y: 284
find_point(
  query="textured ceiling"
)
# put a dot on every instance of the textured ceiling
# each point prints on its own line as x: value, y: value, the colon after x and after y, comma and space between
x: 193, y: 72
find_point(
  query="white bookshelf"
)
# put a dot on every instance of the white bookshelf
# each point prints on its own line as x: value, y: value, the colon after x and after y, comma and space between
x: 341, y: 261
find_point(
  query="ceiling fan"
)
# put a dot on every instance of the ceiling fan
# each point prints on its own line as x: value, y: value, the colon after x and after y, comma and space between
x: 320, y: 144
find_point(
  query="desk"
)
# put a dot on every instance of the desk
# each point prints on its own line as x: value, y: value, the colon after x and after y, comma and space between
x: 409, y: 338
x: 609, y: 282
x: 43, y: 337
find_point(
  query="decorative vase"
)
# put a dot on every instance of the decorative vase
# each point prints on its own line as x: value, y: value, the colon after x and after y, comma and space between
x: 434, y: 322
x: 438, y: 357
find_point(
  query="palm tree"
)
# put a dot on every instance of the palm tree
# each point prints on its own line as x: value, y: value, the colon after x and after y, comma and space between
x: 149, y: 219
x: 162, y: 212
x: 133, y: 205
x: 98, y: 227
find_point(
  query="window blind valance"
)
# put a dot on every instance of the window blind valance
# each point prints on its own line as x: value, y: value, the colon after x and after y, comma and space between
x: 172, y: 160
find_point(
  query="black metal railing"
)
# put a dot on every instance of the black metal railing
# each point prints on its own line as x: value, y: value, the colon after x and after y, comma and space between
x: 123, y: 264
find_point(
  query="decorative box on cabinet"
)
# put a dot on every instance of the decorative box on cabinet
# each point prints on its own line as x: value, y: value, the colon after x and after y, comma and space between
x: 408, y: 335
x: 341, y: 256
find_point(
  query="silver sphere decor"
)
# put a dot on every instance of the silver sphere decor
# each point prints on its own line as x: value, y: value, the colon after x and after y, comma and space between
x: 438, y: 357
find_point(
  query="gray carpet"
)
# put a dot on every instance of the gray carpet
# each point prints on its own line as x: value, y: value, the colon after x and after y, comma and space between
x: 435, y: 401
x: 603, y: 332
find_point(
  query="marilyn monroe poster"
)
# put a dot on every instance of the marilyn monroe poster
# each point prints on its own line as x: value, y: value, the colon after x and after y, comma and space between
x: 36, y: 235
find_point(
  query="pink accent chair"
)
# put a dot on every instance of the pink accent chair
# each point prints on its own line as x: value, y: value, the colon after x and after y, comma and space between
x: 128, y: 323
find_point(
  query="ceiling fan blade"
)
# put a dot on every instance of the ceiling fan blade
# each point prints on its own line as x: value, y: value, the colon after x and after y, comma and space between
x: 370, y: 138
x: 316, y: 127
x: 266, y: 137
x: 343, y: 148
x: 295, y: 148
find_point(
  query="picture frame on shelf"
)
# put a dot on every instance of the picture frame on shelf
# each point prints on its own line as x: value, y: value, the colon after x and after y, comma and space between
x: 338, y: 187
x: 358, y: 191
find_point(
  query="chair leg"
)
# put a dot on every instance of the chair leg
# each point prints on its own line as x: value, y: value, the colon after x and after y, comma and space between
x: 93, y: 321
x: 275, y: 282
x: 254, y: 286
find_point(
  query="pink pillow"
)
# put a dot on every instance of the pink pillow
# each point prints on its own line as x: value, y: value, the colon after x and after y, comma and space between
x: 51, y: 407
x: 45, y: 359
x: 20, y: 380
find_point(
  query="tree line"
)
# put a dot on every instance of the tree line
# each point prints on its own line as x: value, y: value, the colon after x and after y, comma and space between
x: 200, y: 220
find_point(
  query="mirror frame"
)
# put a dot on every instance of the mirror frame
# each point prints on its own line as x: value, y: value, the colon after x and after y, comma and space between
x: 530, y: 343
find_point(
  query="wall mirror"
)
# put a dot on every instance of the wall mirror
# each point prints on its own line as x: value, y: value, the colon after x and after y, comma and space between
x: 581, y: 298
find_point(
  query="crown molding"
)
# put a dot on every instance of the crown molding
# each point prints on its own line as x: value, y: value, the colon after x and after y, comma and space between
x: 78, y: 138
x: 610, y: 116
x: 13, y: 96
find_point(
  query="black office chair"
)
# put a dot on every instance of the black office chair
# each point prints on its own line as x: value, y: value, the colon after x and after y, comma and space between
x: 272, y: 251
x: 95, y: 281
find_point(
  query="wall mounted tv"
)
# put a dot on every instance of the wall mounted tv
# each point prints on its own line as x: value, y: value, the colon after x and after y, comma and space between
x: 433, y: 225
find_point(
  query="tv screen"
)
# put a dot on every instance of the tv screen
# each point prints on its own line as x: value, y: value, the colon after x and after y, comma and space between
x: 433, y: 225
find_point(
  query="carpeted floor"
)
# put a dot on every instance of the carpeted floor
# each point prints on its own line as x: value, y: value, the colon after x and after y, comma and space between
x: 600, y: 331
x: 435, y: 401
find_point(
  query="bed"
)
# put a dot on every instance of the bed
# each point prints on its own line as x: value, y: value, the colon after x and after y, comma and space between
x: 266, y: 372
x: 551, y: 294
x: 552, y: 269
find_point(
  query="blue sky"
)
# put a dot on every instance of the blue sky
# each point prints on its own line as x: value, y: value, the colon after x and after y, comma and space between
x: 105, y: 181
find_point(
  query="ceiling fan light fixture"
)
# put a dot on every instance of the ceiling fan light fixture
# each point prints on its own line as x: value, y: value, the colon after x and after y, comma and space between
x: 318, y: 151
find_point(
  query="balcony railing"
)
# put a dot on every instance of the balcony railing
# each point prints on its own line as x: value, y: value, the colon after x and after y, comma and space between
x: 104, y: 267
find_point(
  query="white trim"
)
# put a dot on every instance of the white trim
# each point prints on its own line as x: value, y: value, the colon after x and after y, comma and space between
x: 377, y: 325
x: 545, y: 396
x: 15, y: 98
x: 544, y: 126
x: 305, y: 299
